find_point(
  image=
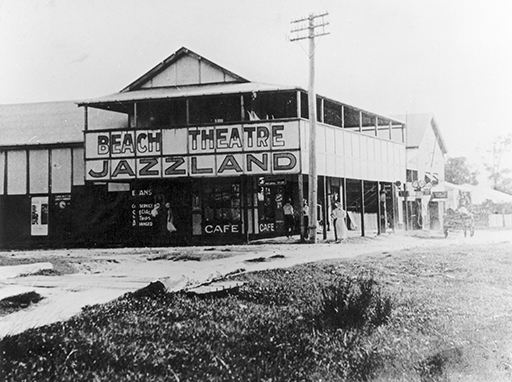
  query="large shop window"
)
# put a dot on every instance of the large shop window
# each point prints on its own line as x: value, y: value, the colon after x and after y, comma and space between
x: 219, y: 204
x: 270, y: 207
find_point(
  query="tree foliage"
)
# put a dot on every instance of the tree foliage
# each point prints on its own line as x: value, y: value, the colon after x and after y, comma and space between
x: 459, y: 171
x: 498, y: 173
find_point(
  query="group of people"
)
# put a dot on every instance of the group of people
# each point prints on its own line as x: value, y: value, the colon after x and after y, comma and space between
x: 162, y: 213
x: 339, y: 216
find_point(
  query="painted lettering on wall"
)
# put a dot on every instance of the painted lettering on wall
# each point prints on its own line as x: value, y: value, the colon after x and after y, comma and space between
x: 222, y: 228
x: 263, y: 148
x: 267, y: 227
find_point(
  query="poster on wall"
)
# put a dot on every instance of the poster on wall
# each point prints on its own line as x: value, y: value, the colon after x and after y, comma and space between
x: 39, y: 216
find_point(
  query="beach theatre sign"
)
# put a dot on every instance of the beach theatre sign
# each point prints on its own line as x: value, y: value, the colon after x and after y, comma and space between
x: 228, y: 150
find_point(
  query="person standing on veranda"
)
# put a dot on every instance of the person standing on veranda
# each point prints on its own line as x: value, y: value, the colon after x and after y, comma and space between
x: 305, y: 212
x: 340, y: 226
x: 288, y: 218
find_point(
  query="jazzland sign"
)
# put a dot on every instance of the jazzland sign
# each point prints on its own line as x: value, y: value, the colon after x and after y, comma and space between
x: 263, y: 148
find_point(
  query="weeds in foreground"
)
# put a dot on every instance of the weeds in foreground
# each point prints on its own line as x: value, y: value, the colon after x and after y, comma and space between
x: 309, y: 323
x: 354, y: 303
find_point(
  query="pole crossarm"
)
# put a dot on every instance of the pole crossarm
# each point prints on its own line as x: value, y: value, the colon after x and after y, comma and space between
x: 313, y: 22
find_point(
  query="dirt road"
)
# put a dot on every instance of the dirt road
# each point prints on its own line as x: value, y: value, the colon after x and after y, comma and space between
x: 93, y: 276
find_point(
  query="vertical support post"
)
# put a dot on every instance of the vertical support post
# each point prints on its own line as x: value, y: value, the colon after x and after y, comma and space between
x: 325, y: 207
x: 394, y: 204
x: 299, y: 105
x: 245, y: 205
x: 187, y: 111
x: 321, y: 116
x: 86, y: 118
x: 344, y: 200
x: 362, y: 209
x: 135, y: 116
x: 379, y: 210
x: 242, y: 108
x: 406, y: 207
x: 300, y: 182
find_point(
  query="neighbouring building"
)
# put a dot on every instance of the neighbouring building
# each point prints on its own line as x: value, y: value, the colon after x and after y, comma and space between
x: 191, y: 153
x: 423, y: 196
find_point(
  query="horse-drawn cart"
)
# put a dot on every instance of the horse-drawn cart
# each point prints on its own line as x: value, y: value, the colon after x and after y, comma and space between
x: 459, y: 220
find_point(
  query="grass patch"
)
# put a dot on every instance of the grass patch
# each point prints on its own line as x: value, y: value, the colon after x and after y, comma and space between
x: 275, y: 327
x: 397, y: 318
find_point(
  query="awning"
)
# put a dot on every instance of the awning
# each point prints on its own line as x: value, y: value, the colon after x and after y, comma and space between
x: 183, y: 91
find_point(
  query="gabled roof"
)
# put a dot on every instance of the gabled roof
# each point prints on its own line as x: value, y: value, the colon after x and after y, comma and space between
x: 183, y: 67
x: 417, y: 125
x: 49, y: 123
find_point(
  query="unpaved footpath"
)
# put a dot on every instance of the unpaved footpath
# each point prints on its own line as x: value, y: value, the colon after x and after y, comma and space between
x: 105, y: 274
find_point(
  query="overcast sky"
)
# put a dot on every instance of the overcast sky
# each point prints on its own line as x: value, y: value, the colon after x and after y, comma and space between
x: 449, y: 57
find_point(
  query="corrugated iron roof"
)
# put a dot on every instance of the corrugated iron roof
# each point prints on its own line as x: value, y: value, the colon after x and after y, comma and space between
x: 49, y: 123
x: 184, y: 91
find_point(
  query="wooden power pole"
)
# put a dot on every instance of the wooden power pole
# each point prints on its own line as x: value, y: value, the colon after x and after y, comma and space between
x: 314, y: 27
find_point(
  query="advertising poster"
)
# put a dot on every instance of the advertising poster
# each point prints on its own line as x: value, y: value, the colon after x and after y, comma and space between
x: 39, y: 216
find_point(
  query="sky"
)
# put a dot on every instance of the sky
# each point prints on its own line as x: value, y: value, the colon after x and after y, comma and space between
x: 452, y: 58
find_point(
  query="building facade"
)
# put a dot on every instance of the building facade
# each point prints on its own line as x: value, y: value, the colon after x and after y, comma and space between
x: 191, y: 153
x: 423, y: 197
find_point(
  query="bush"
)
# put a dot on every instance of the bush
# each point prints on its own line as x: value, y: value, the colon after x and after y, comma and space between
x: 354, y: 303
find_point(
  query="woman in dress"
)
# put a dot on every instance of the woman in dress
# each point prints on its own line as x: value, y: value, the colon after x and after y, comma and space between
x: 340, y: 226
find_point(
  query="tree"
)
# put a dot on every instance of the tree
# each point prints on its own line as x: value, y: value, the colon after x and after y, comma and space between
x: 498, y: 174
x: 458, y: 171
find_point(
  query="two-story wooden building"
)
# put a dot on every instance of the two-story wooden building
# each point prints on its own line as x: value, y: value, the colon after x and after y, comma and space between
x: 189, y: 153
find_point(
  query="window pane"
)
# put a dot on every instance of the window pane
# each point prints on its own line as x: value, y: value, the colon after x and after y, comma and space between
x: 271, y: 105
x: 61, y: 171
x: 215, y: 109
x: 78, y: 167
x: 332, y: 113
x: 38, y: 171
x: 164, y: 113
x: 17, y: 172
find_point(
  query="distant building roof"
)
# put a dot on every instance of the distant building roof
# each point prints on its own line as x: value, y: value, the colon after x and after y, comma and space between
x: 480, y: 194
x: 49, y: 123
x: 417, y: 125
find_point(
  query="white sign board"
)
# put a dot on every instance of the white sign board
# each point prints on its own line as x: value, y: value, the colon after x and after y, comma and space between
x: 228, y: 150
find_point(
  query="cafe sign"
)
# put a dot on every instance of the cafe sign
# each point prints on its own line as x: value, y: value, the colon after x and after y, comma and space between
x: 263, y: 149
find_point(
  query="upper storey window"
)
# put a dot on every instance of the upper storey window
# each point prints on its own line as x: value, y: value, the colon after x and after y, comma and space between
x: 270, y: 105
x: 216, y: 109
x: 162, y: 113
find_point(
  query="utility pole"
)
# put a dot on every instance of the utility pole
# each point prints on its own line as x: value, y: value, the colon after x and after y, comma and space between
x: 315, y: 27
